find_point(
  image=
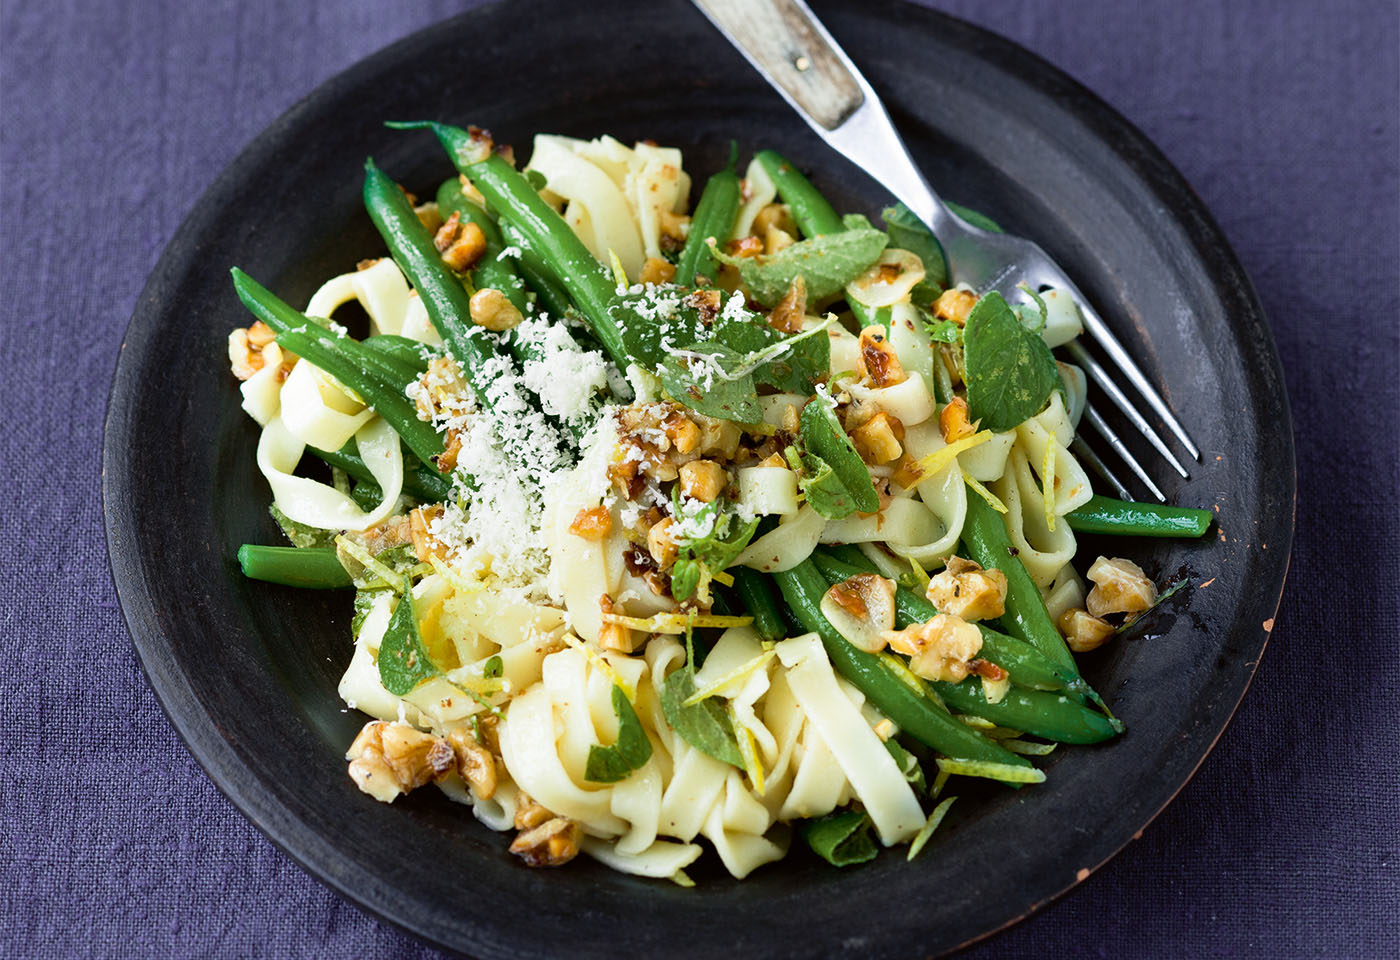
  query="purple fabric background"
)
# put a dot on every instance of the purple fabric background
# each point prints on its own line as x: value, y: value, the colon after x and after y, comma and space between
x: 115, y: 116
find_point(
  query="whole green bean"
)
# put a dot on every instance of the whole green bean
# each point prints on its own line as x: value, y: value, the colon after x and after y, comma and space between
x: 986, y: 541
x: 421, y: 482
x: 917, y: 715
x: 329, y: 352
x: 757, y: 597
x: 1026, y: 665
x: 1131, y: 519
x: 1054, y: 716
x: 313, y: 568
x: 713, y: 217
x: 410, y: 356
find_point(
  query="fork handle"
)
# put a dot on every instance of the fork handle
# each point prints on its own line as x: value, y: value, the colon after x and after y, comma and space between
x: 782, y: 39
x: 791, y: 49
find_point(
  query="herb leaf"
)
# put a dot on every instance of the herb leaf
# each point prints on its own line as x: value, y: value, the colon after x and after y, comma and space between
x: 300, y: 534
x: 975, y: 217
x: 827, y: 263
x: 364, y: 601
x: 704, y: 725
x: 908, y: 765
x: 907, y: 232
x: 823, y: 437
x: 841, y: 839
x: 632, y: 749
x: 703, y: 555
x: 403, y: 657
x: 1010, y: 371
x: 823, y: 489
x: 703, y: 385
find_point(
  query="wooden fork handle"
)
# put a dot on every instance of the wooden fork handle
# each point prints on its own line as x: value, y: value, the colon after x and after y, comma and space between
x: 780, y: 38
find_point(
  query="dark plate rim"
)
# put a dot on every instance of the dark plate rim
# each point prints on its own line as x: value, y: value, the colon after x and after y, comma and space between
x: 227, y: 770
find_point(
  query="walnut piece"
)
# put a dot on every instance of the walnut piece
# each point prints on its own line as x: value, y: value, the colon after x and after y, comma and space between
x: 1120, y: 586
x: 965, y: 590
x: 941, y: 649
x: 551, y: 844
x: 388, y: 759
x: 1083, y: 631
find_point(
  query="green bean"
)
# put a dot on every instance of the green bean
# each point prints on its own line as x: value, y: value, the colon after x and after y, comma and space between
x: 331, y: 353
x: 442, y: 293
x: 313, y: 568
x: 916, y: 715
x: 411, y: 356
x: 986, y: 541
x: 491, y: 271
x: 1025, y: 664
x: 1054, y: 716
x: 757, y: 597
x: 420, y: 482
x: 1130, y: 519
x: 713, y: 217
x: 813, y: 213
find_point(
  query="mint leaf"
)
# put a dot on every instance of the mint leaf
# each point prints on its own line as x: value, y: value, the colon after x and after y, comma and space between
x: 823, y: 437
x: 632, y: 749
x: 907, y: 232
x: 941, y: 331
x: 827, y: 263
x: 403, y: 657
x: 702, y: 555
x: 908, y: 765
x: 704, y: 725
x: 823, y: 489
x: 364, y: 600
x: 841, y: 839
x: 976, y: 218
x: 1010, y: 371
x: 702, y: 383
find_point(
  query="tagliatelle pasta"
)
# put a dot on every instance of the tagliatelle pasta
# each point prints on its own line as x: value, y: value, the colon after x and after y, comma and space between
x: 658, y: 545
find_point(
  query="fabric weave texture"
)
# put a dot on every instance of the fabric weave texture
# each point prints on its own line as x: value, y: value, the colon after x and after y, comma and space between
x: 1285, y: 116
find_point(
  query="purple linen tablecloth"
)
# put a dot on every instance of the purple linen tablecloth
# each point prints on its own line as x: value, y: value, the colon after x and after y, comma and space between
x: 115, y: 116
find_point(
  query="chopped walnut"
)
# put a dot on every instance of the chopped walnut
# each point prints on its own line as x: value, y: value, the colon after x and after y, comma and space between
x: 879, y: 364
x: 447, y: 460
x: 614, y: 636
x: 953, y: 421
x: 661, y: 543
x: 777, y: 215
x: 674, y: 226
x: 790, y: 311
x: 702, y: 480
x: 744, y: 247
x: 776, y: 239
x: 954, y: 305
x: 1120, y: 586
x: 388, y: 759
x: 907, y: 472
x: 425, y: 545
x: 460, y: 243
x: 390, y: 532
x: 592, y: 523
x: 941, y: 649
x: 551, y: 844
x: 880, y: 439
x: 474, y: 763
x: 1083, y: 631
x: 656, y: 270
x: 966, y: 590
x: 429, y: 215
x: 492, y: 309
x: 245, y: 349
x: 529, y: 812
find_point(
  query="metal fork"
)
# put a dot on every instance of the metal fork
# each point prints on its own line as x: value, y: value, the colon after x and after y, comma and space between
x: 791, y: 49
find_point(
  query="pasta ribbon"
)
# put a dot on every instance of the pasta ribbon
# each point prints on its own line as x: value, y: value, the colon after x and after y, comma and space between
x: 320, y: 505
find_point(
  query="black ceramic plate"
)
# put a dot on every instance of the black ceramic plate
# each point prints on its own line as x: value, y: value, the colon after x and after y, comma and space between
x: 247, y: 672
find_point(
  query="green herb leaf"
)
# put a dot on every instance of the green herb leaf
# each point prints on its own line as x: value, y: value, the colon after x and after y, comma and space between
x: 300, y: 534
x: 823, y: 489
x: 908, y: 765
x: 823, y: 437
x: 704, y: 384
x: 364, y: 600
x: 941, y: 331
x: 841, y: 839
x: 907, y: 232
x: 976, y: 218
x: 685, y: 579
x: 493, y: 667
x: 403, y: 657
x: 702, y: 556
x: 1010, y: 371
x: 856, y: 221
x: 704, y: 725
x: 367, y: 495
x: 827, y: 263
x: 631, y: 751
